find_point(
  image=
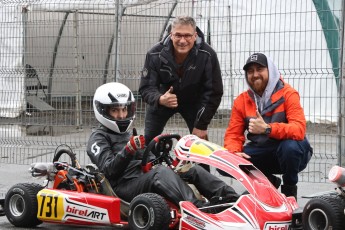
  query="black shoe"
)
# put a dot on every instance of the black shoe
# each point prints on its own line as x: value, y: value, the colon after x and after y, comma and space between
x: 289, y: 190
x: 276, y: 181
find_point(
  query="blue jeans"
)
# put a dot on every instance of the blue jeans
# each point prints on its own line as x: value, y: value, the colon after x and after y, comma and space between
x: 287, y: 157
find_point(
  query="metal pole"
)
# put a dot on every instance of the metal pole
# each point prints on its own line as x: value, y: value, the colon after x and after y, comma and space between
x: 341, y: 93
x: 230, y: 50
x: 77, y: 71
x: 208, y: 36
x: 167, y: 21
x: 117, y: 28
x: 25, y: 21
x: 52, y: 64
x: 106, y: 66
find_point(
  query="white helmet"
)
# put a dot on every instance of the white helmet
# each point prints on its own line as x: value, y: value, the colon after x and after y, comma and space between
x: 114, y: 94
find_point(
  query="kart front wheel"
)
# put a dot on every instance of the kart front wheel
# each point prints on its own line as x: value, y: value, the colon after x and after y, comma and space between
x: 21, y: 205
x: 149, y: 211
x: 324, y: 212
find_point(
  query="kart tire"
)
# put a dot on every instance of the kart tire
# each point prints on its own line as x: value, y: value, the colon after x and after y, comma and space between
x: 149, y: 211
x: 21, y: 205
x: 324, y: 212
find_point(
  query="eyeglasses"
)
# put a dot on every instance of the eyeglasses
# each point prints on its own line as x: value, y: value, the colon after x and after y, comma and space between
x: 187, y: 37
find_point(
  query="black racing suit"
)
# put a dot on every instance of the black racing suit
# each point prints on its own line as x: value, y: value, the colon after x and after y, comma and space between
x: 197, y: 84
x: 106, y: 149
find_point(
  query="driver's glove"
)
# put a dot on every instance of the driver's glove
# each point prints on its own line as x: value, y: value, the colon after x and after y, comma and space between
x: 135, y: 143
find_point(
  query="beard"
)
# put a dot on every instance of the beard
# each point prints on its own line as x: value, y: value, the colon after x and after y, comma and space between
x: 258, y: 86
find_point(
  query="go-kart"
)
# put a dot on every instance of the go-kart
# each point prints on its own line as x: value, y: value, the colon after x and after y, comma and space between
x: 83, y: 196
x: 326, y: 210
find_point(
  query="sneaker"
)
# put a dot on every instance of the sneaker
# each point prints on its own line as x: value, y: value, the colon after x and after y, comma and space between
x: 276, y: 181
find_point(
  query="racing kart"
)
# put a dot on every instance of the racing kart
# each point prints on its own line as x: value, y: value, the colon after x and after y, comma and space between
x: 326, y: 210
x: 83, y: 196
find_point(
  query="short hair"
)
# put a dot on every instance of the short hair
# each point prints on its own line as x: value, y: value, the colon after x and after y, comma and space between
x: 184, y: 20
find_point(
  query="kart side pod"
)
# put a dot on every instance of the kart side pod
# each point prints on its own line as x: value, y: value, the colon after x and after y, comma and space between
x: 82, y: 208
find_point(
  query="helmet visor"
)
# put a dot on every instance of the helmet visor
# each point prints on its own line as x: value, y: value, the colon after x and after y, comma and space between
x: 117, y: 111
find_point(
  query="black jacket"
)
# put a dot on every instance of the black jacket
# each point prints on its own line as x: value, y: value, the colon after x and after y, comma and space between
x: 200, y: 83
x: 106, y: 149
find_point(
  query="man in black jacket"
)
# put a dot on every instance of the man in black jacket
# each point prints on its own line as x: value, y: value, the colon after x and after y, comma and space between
x: 181, y: 75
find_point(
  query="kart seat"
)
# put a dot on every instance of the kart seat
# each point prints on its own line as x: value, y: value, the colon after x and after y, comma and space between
x: 108, y: 190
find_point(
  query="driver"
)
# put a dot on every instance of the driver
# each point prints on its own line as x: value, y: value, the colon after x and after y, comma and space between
x: 117, y: 152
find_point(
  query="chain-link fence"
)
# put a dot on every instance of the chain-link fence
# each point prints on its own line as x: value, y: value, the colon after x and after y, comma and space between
x: 54, y: 54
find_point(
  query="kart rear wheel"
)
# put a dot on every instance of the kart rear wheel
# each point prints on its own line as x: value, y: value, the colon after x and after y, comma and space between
x: 21, y: 205
x: 324, y: 212
x: 149, y: 211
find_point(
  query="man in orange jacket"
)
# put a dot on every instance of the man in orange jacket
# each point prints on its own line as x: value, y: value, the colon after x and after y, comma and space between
x: 271, y: 115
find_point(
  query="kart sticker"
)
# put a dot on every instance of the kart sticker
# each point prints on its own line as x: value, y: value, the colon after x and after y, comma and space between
x: 50, y: 205
x: 55, y: 206
x: 204, y: 148
x: 84, y: 212
x: 277, y: 226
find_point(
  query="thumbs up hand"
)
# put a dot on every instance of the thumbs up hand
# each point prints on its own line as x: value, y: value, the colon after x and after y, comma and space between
x: 257, y: 125
x: 169, y: 99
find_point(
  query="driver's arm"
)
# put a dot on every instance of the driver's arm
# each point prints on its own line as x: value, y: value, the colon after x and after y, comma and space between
x: 111, y: 160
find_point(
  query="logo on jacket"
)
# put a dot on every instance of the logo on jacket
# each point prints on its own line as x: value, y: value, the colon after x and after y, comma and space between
x: 95, y: 149
x: 191, y: 67
x: 144, y: 72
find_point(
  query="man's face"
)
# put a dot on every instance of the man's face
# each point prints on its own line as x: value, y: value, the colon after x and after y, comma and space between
x: 118, y: 113
x: 183, y: 38
x: 257, y: 77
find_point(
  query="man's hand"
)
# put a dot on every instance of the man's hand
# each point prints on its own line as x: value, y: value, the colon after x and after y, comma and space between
x: 135, y: 143
x: 200, y: 133
x: 257, y: 125
x: 168, y: 99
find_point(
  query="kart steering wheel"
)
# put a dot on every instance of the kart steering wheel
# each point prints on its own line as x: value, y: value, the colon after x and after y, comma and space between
x: 69, y: 152
x: 160, y: 146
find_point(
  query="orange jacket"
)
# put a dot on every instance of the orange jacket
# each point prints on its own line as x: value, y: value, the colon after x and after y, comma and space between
x: 283, y: 112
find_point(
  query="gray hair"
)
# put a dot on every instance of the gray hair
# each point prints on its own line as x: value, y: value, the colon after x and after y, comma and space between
x: 184, y: 20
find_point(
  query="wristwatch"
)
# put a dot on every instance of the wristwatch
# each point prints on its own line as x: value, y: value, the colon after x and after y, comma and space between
x: 268, y: 129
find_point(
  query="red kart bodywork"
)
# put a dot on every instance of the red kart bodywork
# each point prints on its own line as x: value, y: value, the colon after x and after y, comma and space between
x: 92, y: 202
x: 262, y: 208
x: 78, y: 208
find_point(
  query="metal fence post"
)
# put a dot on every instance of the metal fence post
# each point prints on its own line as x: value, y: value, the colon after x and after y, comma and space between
x: 341, y: 93
x: 77, y: 70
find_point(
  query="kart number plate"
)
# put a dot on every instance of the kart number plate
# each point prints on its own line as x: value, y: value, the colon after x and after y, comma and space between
x: 50, y: 206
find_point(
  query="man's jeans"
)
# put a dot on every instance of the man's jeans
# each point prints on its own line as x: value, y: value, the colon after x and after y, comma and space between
x: 287, y: 157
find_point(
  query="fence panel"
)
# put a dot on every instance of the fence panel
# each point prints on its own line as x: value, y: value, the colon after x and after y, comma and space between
x: 55, y: 54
